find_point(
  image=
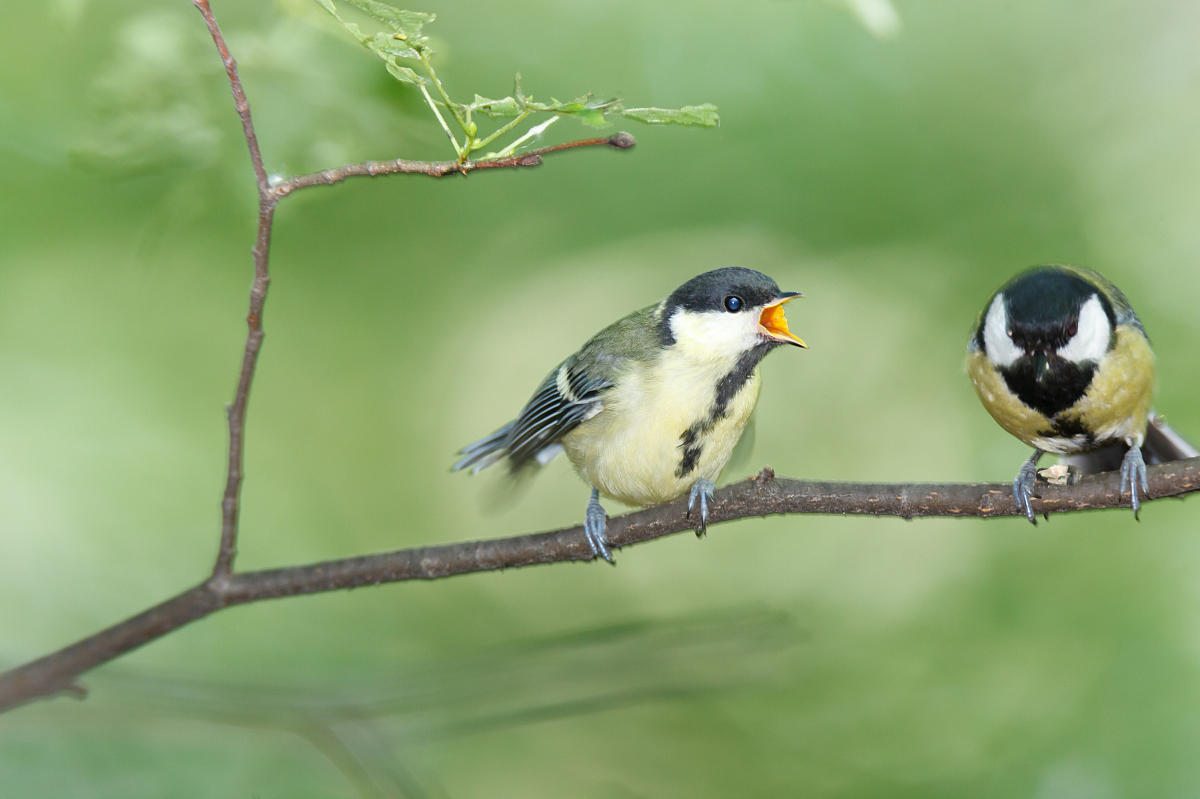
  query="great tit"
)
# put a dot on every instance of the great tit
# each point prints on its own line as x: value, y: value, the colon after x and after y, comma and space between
x: 651, y: 407
x: 1061, y: 361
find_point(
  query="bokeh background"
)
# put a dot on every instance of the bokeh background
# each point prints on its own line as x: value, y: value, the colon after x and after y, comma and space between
x: 896, y: 170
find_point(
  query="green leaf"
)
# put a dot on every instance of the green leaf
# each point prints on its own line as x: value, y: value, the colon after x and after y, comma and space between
x: 404, y: 74
x: 704, y: 115
x: 587, y: 109
x: 504, y: 107
x: 406, y: 23
x: 328, y: 6
x: 388, y: 46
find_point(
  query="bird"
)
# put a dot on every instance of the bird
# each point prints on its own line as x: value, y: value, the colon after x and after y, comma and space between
x: 1061, y: 361
x: 651, y: 407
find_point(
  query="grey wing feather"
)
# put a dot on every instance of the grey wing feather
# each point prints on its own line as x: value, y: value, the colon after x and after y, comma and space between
x: 548, y: 416
x: 569, y: 395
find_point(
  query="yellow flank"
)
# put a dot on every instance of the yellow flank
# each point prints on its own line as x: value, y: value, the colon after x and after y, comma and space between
x: 1005, y: 407
x: 1114, y: 407
x: 630, y: 451
x: 1117, y: 403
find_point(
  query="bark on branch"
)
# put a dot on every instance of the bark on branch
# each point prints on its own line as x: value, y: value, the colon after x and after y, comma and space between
x: 761, y: 495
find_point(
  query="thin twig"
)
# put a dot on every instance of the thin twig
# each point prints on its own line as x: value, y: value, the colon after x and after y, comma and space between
x: 761, y: 495
x: 440, y: 169
x: 236, y: 412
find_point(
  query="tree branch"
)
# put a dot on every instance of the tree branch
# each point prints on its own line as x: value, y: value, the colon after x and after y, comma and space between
x: 268, y: 197
x: 440, y: 169
x: 761, y: 495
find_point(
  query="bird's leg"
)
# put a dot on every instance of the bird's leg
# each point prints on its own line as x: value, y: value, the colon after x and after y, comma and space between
x: 703, y: 490
x: 1023, y: 485
x: 594, y: 522
x: 1133, y: 472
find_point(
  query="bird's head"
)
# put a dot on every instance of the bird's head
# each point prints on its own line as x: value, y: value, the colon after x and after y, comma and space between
x: 726, y: 312
x: 1047, y: 322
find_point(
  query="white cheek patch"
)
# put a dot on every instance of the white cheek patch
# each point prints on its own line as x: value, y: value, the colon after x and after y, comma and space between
x: 1093, y: 334
x: 715, y: 334
x: 997, y: 344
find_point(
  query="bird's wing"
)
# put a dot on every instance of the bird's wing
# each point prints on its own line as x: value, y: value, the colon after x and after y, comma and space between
x: 569, y: 395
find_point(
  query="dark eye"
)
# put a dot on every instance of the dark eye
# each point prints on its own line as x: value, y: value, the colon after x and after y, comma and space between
x: 733, y: 303
x: 1072, y: 330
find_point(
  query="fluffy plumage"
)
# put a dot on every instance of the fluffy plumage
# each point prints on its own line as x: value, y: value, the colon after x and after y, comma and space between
x: 1061, y: 361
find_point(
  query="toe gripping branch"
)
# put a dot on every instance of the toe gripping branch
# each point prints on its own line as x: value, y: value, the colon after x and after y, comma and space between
x: 702, y: 490
x: 595, y: 520
x: 1133, y: 474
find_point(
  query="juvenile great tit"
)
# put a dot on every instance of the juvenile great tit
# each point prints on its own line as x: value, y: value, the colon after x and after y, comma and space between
x: 1061, y: 361
x: 650, y: 408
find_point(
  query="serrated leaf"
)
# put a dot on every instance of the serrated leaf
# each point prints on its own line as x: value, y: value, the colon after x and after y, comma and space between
x: 404, y: 74
x: 406, y: 23
x: 704, y: 115
x: 328, y: 6
x: 504, y: 107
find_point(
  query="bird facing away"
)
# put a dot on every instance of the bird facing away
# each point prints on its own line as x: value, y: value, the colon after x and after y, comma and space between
x: 651, y: 407
x: 1061, y: 361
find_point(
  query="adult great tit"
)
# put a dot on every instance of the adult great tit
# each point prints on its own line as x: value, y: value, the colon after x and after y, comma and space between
x: 652, y: 406
x: 1061, y: 361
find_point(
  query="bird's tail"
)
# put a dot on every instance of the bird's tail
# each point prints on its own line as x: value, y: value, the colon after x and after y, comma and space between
x: 484, y: 452
x: 1162, y: 444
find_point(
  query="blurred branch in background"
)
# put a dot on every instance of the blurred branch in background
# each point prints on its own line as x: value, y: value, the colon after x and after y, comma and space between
x: 369, y: 731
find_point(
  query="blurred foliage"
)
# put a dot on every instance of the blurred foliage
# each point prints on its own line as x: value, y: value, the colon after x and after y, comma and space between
x: 895, y: 179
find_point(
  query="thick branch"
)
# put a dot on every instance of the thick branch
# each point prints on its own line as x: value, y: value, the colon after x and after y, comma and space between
x: 761, y: 495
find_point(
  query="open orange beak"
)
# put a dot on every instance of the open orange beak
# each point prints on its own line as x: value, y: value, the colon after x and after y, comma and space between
x: 773, y: 324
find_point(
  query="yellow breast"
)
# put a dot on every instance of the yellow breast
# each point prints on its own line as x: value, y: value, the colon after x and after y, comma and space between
x: 633, y: 449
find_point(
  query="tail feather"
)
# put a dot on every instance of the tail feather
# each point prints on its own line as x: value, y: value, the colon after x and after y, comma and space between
x: 1162, y: 444
x: 484, y: 452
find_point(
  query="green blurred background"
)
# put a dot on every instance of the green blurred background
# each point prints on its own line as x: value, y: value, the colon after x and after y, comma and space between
x: 895, y: 175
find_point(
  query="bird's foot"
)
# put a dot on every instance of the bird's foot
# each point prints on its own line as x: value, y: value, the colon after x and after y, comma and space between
x: 702, y: 489
x: 594, y: 522
x: 1133, y: 473
x: 1023, y: 484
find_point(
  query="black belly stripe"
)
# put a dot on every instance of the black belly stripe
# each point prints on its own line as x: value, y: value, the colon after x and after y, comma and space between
x: 1061, y: 388
x: 728, y: 387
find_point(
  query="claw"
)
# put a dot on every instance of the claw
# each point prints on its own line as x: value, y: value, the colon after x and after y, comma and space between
x: 1023, y: 484
x: 1133, y: 472
x: 595, y: 519
x: 702, y: 489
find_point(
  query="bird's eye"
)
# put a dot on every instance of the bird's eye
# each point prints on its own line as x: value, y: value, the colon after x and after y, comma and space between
x: 1010, y: 332
x: 733, y: 303
x: 1072, y: 330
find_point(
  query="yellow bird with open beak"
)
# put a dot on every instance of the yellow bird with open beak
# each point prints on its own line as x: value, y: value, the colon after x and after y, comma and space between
x: 651, y: 407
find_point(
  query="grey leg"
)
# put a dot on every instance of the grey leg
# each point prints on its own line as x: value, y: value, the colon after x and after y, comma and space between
x: 1023, y: 485
x: 594, y: 522
x: 1133, y: 472
x: 703, y: 490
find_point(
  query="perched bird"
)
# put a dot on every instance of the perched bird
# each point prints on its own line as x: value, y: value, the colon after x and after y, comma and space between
x: 1061, y: 361
x: 650, y: 408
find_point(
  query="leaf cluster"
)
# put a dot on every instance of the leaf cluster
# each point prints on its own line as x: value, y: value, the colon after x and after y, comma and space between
x: 406, y: 53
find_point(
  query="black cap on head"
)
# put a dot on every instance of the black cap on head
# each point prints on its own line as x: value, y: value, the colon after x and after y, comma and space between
x: 708, y: 291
